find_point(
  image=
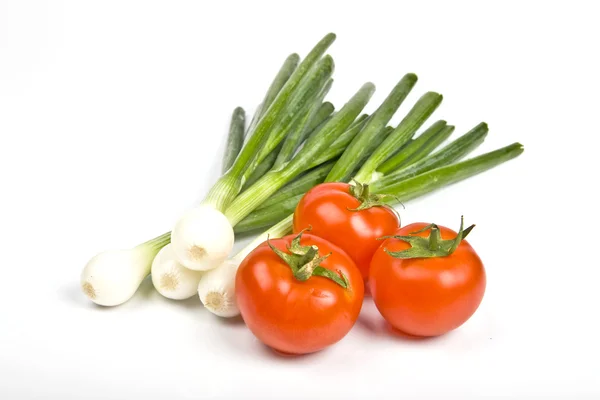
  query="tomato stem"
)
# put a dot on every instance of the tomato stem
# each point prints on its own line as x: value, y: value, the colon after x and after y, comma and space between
x: 434, y: 238
x: 430, y: 246
x: 307, y: 269
x: 362, y: 193
x: 304, y: 261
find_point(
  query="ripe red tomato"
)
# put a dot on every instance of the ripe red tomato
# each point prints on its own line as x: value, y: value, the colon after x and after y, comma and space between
x: 294, y: 316
x: 426, y: 296
x: 326, y: 208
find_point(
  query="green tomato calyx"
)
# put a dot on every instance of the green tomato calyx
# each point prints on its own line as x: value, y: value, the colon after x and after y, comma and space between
x: 430, y: 246
x: 305, y: 261
x: 362, y: 193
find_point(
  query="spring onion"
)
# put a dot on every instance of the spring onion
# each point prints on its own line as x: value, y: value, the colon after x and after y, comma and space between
x: 229, y: 185
x: 112, y: 277
x: 202, y: 238
x: 202, y: 244
x: 170, y: 278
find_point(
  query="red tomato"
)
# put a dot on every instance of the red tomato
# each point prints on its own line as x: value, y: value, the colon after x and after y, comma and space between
x: 426, y: 296
x: 326, y: 208
x: 293, y: 316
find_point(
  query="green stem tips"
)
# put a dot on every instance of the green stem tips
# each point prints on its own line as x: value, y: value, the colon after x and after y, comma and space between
x: 431, y: 246
x: 304, y: 262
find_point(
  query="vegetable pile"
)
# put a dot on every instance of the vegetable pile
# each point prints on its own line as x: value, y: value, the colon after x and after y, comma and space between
x: 319, y: 184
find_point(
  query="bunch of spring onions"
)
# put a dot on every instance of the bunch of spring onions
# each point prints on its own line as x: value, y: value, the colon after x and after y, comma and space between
x: 294, y: 141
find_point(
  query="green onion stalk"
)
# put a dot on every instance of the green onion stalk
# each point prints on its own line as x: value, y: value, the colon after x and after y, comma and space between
x: 305, y: 82
x: 393, y: 184
x: 203, y: 236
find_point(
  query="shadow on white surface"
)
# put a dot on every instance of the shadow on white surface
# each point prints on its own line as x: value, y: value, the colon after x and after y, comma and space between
x: 237, y: 339
x: 73, y: 296
x: 71, y: 293
x: 146, y: 294
x: 372, y: 323
x: 273, y: 355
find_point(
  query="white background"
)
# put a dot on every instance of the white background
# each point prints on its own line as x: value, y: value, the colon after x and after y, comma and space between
x: 112, y: 120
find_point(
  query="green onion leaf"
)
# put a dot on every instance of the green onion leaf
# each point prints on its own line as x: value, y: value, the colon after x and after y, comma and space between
x: 452, y: 152
x: 235, y: 138
x: 437, y: 178
x: 284, y: 74
x: 250, y: 199
x: 422, y: 110
x: 230, y: 184
x: 413, y: 148
x: 363, y: 143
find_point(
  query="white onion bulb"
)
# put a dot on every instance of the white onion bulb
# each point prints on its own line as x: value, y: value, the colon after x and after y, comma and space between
x: 217, y: 289
x: 202, y: 238
x: 170, y: 278
x: 111, y: 278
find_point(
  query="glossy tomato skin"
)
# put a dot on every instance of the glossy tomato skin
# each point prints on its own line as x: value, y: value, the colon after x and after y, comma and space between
x: 426, y: 296
x: 326, y: 208
x: 297, y: 317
